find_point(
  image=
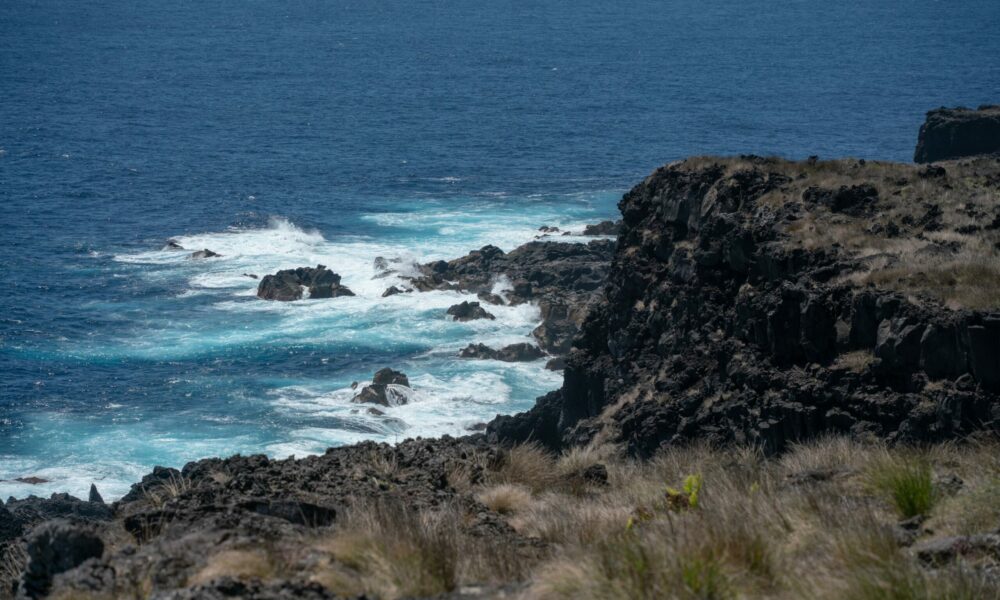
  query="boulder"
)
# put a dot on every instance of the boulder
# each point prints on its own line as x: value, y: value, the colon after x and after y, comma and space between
x: 388, y: 388
x: 173, y: 245
x: 206, y: 253
x: 949, y: 133
x: 290, y: 284
x: 469, y: 311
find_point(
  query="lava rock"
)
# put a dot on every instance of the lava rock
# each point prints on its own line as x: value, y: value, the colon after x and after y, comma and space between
x: 603, y: 228
x: 173, y: 245
x: 522, y: 352
x: 949, y: 133
x: 289, y: 284
x: 206, y: 253
x: 385, y: 389
x: 94, y: 495
x: 393, y: 290
x: 56, y: 547
x: 469, y: 311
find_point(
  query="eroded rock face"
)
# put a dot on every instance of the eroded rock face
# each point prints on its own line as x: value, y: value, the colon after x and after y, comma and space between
x: 385, y: 389
x: 958, y: 132
x: 291, y: 284
x: 714, y: 328
x: 469, y: 311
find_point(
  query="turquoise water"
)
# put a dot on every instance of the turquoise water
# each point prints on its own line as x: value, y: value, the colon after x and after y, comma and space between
x: 296, y: 133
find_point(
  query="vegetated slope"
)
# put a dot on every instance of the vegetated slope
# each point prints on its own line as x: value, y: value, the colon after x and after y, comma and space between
x: 764, y: 301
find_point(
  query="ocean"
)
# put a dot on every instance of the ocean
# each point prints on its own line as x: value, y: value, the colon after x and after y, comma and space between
x: 294, y: 133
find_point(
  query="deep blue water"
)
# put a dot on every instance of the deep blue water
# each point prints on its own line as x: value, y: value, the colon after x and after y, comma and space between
x: 283, y: 134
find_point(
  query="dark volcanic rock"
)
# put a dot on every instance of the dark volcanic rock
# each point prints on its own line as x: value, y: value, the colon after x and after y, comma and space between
x: 95, y: 496
x: 523, y: 352
x: 54, y: 548
x: 854, y: 200
x: 469, y: 311
x: 712, y: 328
x: 958, y: 132
x: 206, y: 253
x: 603, y: 228
x: 384, y: 389
x: 289, y: 284
x: 563, y: 279
x: 173, y: 245
x: 393, y: 290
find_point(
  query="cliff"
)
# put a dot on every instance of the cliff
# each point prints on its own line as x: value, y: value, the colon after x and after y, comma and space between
x: 958, y: 132
x: 763, y: 301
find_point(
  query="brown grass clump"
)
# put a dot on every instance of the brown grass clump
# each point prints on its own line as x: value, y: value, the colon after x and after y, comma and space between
x: 390, y: 551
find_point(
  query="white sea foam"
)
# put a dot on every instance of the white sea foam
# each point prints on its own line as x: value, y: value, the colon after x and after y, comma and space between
x: 448, y: 394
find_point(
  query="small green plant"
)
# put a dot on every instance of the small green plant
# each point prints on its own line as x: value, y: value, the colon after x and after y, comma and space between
x: 908, y: 484
x: 687, y: 497
x: 704, y: 578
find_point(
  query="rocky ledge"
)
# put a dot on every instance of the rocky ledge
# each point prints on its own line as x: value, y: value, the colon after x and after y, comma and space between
x: 957, y: 133
x: 764, y: 301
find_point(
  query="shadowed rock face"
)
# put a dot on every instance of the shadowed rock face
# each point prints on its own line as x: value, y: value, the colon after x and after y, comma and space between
x: 289, y: 284
x: 958, y: 132
x: 716, y: 327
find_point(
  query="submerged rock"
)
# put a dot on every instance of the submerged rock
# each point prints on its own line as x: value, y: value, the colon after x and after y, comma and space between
x: 469, y: 311
x: 206, y: 253
x: 958, y: 132
x: 385, y: 389
x: 290, y: 284
x: 173, y: 245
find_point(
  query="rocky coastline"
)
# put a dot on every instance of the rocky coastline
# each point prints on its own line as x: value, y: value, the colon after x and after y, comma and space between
x: 746, y: 302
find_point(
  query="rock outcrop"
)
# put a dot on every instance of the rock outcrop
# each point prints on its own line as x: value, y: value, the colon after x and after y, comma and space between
x: 725, y: 320
x: 957, y: 133
x: 388, y: 388
x: 563, y: 279
x: 603, y: 228
x: 522, y: 352
x: 206, y: 253
x: 291, y: 284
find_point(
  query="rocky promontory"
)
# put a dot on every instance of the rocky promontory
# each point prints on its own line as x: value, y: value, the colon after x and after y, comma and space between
x: 762, y: 301
x: 950, y: 133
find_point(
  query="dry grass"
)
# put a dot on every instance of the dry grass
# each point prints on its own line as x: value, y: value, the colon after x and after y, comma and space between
x: 820, y: 521
x: 243, y: 564
x: 505, y: 498
x: 389, y: 551
x: 925, y: 237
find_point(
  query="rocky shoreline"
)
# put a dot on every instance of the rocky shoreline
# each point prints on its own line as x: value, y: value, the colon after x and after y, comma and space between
x: 747, y: 302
